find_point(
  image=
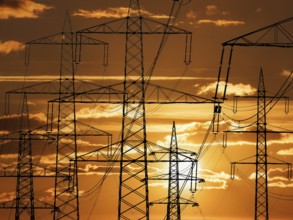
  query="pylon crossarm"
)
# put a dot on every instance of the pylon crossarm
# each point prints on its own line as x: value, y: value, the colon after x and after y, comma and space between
x: 51, y: 87
x: 269, y: 36
x: 182, y: 201
x: 272, y: 100
x: 233, y: 167
x: 181, y: 152
x: 99, y: 94
x: 58, y: 39
x: 118, y: 26
x: 36, y: 137
x: 38, y: 204
x: 101, y: 154
x: 154, y: 95
x: 182, y: 177
x: 37, y: 172
x: 164, y: 95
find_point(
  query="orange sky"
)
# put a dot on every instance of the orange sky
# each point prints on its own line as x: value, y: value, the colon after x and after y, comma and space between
x: 212, y: 23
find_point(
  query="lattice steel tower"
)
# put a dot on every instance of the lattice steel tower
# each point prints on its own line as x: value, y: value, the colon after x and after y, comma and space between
x: 66, y: 190
x: 24, y: 182
x: 261, y: 172
x: 261, y: 207
x: 133, y: 187
x: 133, y: 192
x: 173, y: 206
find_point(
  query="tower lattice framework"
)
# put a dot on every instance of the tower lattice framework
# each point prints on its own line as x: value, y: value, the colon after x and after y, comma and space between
x: 133, y: 187
x: 173, y: 206
x: 24, y: 182
x: 261, y: 200
x: 261, y: 173
x: 66, y: 201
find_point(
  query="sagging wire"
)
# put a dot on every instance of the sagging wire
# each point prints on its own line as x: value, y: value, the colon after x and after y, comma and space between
x: 238, y: 120
x: 107, y: 172
x: 237, y: 127
x: 171, y: 20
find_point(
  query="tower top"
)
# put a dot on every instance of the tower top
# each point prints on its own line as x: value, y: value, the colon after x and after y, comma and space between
x: 67, y: 27
x: 261, y: 82
x: 134, y: 8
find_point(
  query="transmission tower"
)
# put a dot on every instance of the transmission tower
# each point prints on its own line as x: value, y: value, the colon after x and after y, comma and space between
x: 66, y: 201
x: 66, y: 189
x: 277, y: 35
x: 261, y: 163
x: 133, y: 187
x: 173, y: 207
x: 174, y: 201
x: 24, y: 183
x: 24, y: 202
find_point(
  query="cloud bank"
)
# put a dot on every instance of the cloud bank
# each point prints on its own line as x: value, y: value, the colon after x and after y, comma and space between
x: 221, y: 23
x: 232, y: 89
x: 214, y: 16
x: 21, y: 9
x: 7, y: 47
x: 118, y: 12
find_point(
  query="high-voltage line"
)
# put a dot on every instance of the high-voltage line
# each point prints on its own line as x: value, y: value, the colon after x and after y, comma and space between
x: 261, y: 207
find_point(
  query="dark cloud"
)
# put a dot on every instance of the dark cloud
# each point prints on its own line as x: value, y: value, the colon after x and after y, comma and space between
x: 12, y: 3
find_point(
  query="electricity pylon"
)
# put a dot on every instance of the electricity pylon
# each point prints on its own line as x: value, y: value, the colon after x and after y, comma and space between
x: 175, y: 176
x: 24, y: 203
x: 261, y: 163
x: 133, y: 106
x: 66, y: 189
x: 24, y: 183
x: 66, y: 200
x: 277, y: 35
x: 173, y: 206
x: 133, y: 187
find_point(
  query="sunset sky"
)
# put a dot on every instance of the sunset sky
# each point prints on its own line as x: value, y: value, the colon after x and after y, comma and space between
x: 212, y: 23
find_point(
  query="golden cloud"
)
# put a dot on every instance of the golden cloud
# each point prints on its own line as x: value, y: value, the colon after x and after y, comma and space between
x: 21, y: 9
x: 286, y: 72
x: 191, y: 14
x: 277, y: 177
x: 119, y: 12
x: 184, y: 134
x: 286, y: 152
x: 7, y: 196
x: 38, y: 116
x: 10, y: 46
x: 221, y: 23
x: 232, y: 89
x: 100, y: 111
x: 211, y: 10
x: 214, y: 180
